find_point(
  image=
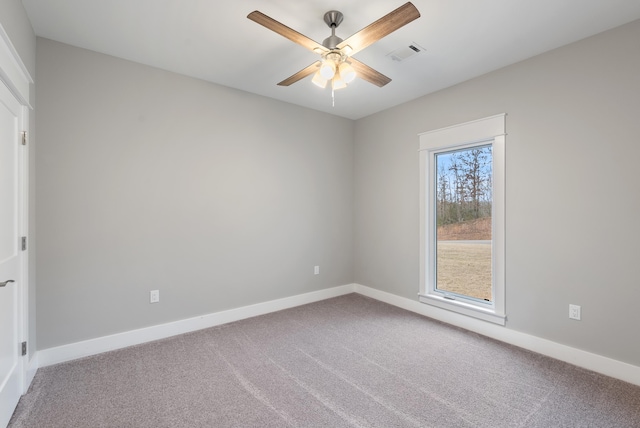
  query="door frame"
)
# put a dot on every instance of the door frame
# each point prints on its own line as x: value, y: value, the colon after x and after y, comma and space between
x: 15, y: 76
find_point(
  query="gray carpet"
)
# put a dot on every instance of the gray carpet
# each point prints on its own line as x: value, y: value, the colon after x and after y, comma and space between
x: 344, y: 362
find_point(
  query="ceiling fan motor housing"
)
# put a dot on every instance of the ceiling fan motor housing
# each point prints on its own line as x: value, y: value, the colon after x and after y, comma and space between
x: 331, y: 42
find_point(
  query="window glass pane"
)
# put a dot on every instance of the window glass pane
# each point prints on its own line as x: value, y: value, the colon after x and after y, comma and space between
x: 463, y: 222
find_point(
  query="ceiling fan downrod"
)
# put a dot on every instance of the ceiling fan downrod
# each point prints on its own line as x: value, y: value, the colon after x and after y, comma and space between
x: 333, y: 18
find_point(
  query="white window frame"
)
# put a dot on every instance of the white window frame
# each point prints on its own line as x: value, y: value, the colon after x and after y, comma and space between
x: 490, y: 130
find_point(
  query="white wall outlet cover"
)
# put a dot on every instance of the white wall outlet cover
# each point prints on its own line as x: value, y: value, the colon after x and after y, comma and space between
x: 574, y: 312
x: 316, y: 270
x: 154, y: 296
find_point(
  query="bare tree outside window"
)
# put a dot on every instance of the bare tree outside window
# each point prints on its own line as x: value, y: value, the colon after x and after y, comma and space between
x: 463, y: 222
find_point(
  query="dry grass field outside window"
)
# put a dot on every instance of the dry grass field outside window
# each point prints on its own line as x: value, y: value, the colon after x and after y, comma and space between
x: 464, y: 258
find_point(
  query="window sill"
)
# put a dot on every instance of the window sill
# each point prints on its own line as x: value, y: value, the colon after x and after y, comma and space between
x: 464, y: 308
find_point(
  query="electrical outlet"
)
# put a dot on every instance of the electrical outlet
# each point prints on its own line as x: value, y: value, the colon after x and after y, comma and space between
x: 316, y: 270
x: 574, y: 312
x: 154, y: 296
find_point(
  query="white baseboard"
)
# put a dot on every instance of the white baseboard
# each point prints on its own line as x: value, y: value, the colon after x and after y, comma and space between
x: 30, y: 373
x: 597, y: 363
x: 587, y: 360
x: 73, y: 351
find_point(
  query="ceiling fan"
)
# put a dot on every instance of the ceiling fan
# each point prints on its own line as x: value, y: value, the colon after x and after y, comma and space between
x: 336, y: 63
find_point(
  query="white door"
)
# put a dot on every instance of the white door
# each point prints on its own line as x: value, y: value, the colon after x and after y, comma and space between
x: 11, y: 173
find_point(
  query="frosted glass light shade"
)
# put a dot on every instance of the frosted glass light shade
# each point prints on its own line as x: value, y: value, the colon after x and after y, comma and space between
x: 328, y: 69
x: 347, y: 73
x: 338, y: 83
x: 318, y: 80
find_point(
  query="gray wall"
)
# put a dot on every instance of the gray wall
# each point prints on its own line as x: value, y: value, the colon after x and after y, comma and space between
x: 219, y: 198
x: 15, y: 22
x: 152, y: 180
x: 573, y: 193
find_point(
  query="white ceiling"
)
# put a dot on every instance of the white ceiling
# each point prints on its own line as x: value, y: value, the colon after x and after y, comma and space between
x: 214, y: 41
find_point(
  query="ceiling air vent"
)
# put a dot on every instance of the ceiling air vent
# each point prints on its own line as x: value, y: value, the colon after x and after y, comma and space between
x: 405, y: 53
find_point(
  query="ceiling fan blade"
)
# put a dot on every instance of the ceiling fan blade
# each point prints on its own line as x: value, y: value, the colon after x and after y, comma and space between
x: 382, y: 27
x: 300, y: 74
x: 285, y: 31
x: 369, y: 74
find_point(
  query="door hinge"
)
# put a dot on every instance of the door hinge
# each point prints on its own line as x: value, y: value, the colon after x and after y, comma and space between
x: 24, y: 348
x: 24, y: 243
x: 24, y: 138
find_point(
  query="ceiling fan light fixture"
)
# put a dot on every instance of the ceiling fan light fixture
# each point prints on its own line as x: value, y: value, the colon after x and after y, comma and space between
x: 318, y: 80
x: 347, y: 73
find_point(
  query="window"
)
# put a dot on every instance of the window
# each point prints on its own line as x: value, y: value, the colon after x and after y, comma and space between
x: 462, y: 216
